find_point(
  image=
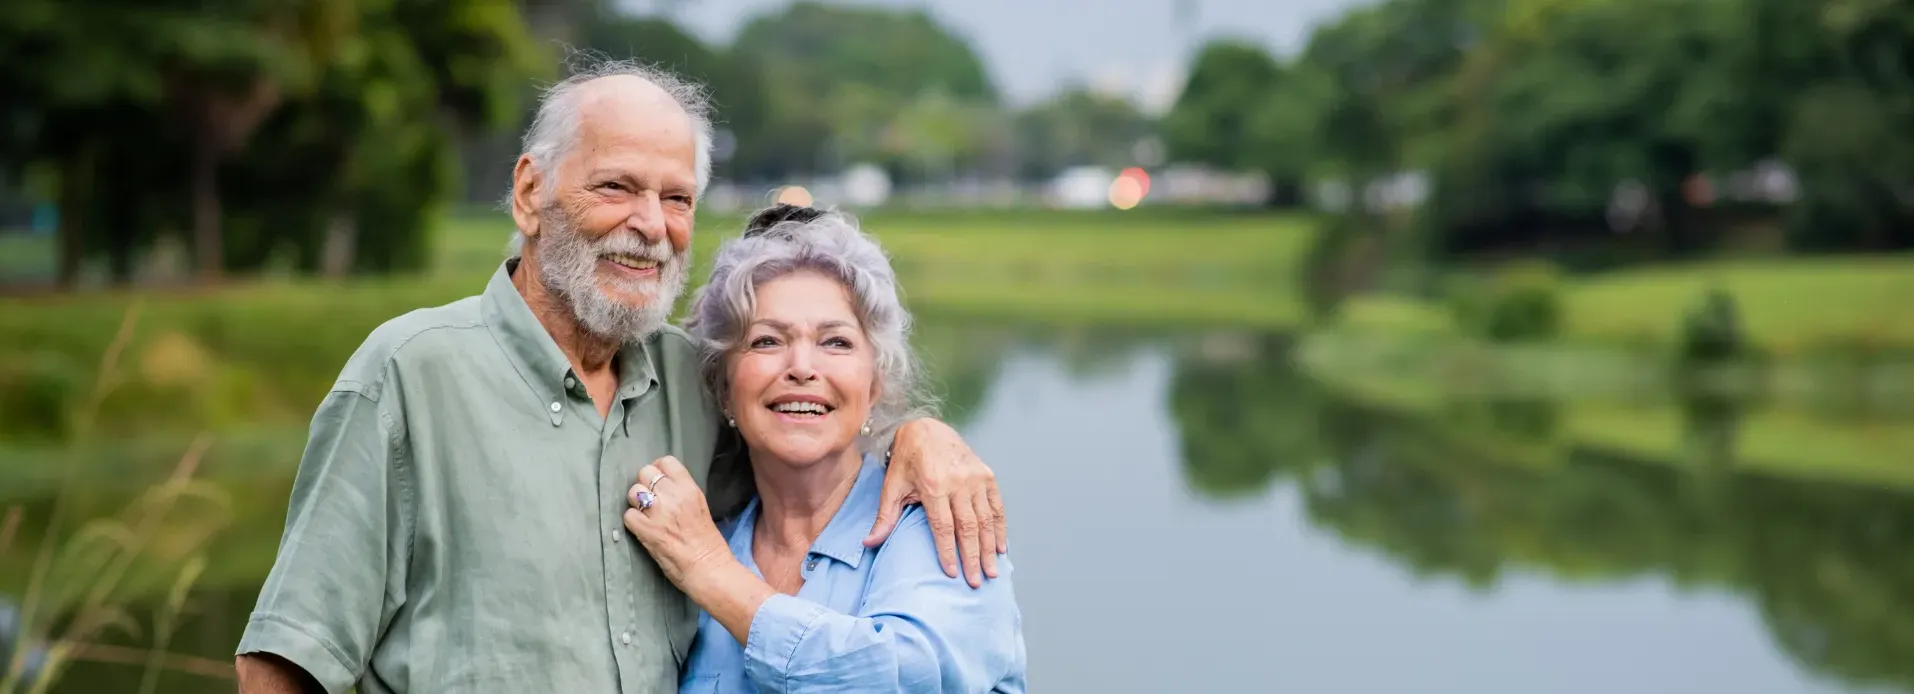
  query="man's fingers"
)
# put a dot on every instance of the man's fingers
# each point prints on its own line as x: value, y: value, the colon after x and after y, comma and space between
x: 986, y: 536
x: 969, y: 534
x: 889, y: 508
x: 997, y: 519
x: 943, y: 530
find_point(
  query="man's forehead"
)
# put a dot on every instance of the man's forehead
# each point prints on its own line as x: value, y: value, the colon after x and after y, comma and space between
x: 624, y: 102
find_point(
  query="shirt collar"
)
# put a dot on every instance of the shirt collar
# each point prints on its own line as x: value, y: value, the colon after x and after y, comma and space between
x: 537, y: 357
x: 843, y: 537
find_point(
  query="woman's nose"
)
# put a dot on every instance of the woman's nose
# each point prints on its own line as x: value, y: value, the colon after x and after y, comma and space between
x: 800, y: 370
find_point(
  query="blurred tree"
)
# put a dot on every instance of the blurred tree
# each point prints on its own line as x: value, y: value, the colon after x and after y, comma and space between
x: 139, y: 111
x: 1529, y: 115
x: 1078, y: 127
x: 737, y: 87
x: 831, y: 100
x: 1210, y: 122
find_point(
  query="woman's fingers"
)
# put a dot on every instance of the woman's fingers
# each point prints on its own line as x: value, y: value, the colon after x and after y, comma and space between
x: 672, y: 468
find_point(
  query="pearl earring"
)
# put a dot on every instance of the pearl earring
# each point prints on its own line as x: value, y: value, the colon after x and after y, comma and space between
x: 728, y: 419
x: 867, y: 428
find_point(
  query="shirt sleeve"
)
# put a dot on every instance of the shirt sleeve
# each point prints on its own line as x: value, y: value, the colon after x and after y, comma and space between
x: 918, y: 630
x: 339, y: 574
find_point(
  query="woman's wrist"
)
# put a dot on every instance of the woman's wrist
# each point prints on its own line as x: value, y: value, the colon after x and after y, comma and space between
x: 730, y: 593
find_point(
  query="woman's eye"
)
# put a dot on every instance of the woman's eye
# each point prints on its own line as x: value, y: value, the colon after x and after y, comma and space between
x: 764, y: 341
x: 838, y: 342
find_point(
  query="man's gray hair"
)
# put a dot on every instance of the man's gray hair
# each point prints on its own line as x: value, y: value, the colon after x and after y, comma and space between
x: 831, y: 245
x: 554, y: 126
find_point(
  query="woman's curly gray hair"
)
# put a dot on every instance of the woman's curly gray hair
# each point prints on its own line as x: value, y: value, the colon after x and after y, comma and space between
x: 783, y: 240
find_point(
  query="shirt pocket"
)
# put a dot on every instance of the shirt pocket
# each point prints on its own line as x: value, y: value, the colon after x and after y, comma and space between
x: 701, y: 684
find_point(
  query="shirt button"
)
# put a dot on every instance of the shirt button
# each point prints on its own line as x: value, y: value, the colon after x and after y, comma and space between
x: 812, y: 566
x: 570, y: 382
x: 614, y: 536
x: 625, y: 638
x: 555, y: 406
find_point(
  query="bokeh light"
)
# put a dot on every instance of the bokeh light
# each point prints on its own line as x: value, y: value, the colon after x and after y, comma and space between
x: 1125, y: 192
x: 1142, y: 179
x: 794, y: 195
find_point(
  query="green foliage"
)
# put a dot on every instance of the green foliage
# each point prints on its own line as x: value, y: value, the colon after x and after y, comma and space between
x: 1712, y: 330
x: 1213, y: 118
x: 905, y: 90
x: 1078, y: 128
x: 1519, y: 303
x: 1527, y: 116
x: 253, y: 130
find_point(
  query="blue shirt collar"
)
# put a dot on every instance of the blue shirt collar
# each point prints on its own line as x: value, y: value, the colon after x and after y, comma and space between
x: 843, y: 537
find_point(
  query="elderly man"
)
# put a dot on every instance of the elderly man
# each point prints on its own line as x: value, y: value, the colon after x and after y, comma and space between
x: 455, y: 525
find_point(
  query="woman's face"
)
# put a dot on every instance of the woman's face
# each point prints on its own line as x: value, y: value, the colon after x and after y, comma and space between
x: 803, y: 378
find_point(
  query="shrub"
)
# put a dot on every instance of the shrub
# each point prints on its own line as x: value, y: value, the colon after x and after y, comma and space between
x: 1711, y: 331
x: 1519, y: 303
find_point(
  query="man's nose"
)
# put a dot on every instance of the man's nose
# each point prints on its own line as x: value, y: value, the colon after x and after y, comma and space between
x: 648, y: 218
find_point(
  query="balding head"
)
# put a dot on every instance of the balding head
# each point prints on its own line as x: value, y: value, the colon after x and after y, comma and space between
x: 606, y: 85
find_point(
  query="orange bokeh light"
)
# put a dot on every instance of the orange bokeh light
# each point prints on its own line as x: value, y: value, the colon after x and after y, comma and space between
x: 1125, y: 192
x: 794, y: 195
x: 1142, y: 178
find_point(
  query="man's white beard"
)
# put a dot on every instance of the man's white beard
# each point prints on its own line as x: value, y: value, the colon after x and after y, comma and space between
x: 568, y: 267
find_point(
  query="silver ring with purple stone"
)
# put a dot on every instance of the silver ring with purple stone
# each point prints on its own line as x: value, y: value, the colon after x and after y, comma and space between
x: 645, y: 498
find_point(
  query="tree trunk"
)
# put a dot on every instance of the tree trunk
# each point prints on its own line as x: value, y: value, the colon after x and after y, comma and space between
x: 340, y: 247
x: 76, y: 186
x: 209, y: 255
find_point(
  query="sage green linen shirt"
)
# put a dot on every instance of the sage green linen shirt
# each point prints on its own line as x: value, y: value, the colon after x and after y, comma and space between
x: 455, y: 524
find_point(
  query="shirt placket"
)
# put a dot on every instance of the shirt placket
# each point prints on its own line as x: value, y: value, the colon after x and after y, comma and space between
x: 620, y: 600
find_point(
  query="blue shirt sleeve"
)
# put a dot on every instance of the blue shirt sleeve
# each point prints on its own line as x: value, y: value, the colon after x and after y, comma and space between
x: 918, y: 630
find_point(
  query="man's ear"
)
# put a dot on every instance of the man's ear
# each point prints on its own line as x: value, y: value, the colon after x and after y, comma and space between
x: 528, y: 185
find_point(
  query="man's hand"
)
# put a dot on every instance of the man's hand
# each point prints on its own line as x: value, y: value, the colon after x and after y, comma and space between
x: 931, y: 464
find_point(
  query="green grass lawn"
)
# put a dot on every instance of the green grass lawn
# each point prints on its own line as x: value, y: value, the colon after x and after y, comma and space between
x: 1790, y: 307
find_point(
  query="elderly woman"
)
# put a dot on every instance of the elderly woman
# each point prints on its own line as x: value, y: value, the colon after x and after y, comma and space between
x: 806, y: 347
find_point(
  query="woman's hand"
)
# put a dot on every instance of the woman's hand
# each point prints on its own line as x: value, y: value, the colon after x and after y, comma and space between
x: 676, y: 526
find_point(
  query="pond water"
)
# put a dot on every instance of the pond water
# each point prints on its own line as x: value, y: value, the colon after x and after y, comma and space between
x: 1197, y: 514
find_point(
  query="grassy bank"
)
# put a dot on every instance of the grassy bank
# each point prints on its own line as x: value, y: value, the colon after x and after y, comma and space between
x: 1789, y: 308
x: 263, y: 350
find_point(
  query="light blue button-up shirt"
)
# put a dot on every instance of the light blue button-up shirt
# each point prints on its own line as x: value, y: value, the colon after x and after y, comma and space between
x: 883, y: 619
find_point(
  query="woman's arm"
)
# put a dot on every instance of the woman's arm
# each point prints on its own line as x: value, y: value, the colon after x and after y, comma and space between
x: 918, y: 629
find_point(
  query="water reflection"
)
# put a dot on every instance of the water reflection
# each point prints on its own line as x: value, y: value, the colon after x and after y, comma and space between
x: 1823, y: 561
x: 1365, y: 543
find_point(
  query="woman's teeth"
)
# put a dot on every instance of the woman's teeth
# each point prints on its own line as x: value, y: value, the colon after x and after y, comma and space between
x: 805, y: 408
x: 632, y: 261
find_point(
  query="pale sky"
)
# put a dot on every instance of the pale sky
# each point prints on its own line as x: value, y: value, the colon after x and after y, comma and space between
x: 1033, y: 47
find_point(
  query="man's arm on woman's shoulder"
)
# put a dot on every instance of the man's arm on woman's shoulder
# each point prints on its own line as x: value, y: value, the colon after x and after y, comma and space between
x: 931, y: 465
